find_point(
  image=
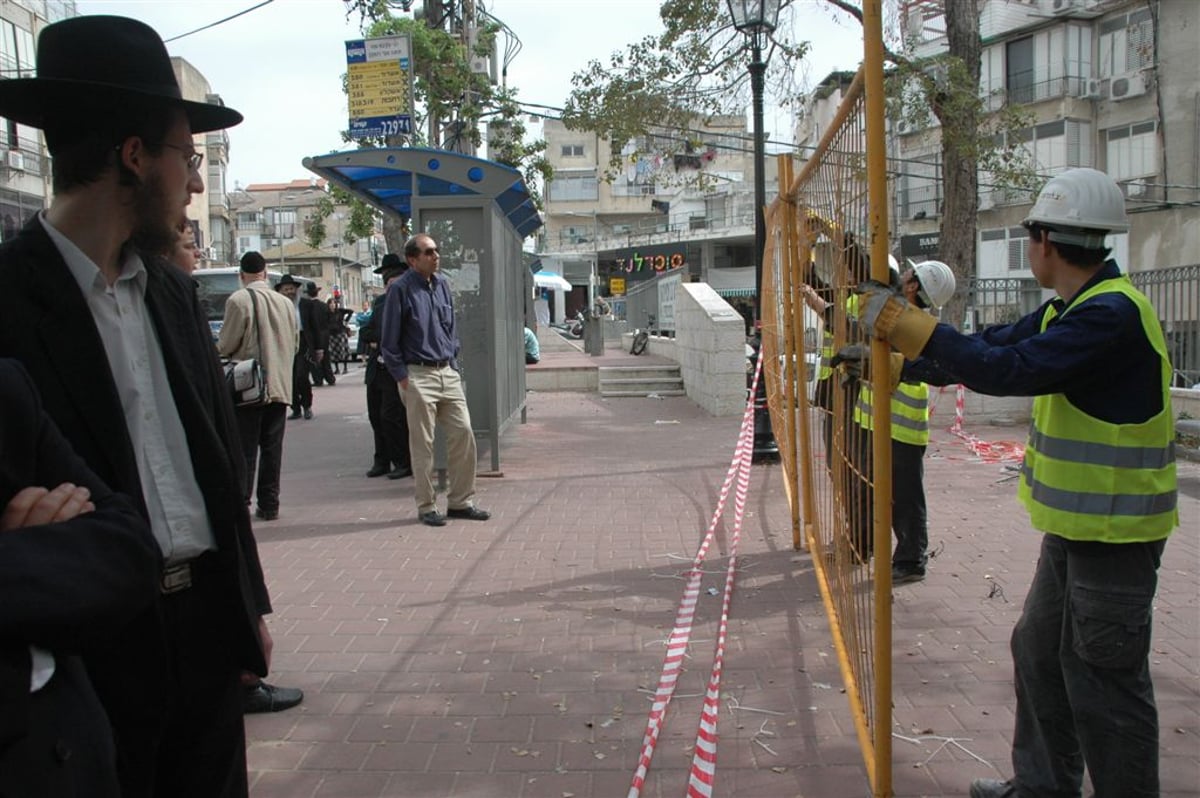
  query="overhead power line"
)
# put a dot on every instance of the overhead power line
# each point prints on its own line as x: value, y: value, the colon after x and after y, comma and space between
x: 219, y: 21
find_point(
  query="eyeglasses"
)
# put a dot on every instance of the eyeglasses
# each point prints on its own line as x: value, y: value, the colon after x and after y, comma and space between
x: 193, y: 158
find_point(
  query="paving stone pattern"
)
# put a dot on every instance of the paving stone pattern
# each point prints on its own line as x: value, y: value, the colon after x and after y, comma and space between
x: 516, y: 658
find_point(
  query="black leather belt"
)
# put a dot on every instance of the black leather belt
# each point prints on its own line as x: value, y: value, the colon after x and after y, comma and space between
x: 433, y: 364
x: 182, y: 575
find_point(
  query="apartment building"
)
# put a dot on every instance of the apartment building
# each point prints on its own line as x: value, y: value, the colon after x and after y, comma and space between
x: 273, y: 218
x: 25, y: 166
x: 672, y: 201
x: 209, y: 211
x: 1112, y: 84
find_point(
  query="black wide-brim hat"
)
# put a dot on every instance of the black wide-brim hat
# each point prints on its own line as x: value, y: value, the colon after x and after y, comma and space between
x: 102, y: 62
x: 288, y: 279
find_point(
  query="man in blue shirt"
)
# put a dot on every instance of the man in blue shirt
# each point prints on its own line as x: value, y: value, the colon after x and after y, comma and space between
x: 420, y: 348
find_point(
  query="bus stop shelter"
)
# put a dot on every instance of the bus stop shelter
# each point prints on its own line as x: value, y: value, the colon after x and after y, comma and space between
x: 479, y: 212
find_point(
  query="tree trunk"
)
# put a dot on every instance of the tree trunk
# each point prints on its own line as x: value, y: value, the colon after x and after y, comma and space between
x: 960, y: 173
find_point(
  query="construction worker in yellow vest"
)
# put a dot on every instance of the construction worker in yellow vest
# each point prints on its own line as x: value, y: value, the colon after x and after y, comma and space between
x: 929, y: 286
x: 1098, y: 482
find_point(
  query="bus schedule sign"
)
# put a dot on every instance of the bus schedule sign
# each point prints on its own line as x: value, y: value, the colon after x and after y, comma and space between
x: 379, y: 85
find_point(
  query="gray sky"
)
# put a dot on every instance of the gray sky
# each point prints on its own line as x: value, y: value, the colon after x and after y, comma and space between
x: 281, y: 65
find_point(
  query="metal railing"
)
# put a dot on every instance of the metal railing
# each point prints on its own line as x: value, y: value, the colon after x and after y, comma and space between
x: 1174, y: 293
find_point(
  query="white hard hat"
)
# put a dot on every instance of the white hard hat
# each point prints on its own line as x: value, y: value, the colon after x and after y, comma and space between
x: 937, y: 282
x: 1082, y: 205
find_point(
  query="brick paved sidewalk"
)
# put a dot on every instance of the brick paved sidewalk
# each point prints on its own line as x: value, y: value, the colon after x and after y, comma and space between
x: 515, y: 658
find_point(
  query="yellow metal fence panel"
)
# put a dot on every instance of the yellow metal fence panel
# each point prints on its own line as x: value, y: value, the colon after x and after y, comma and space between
x: 822, y: 236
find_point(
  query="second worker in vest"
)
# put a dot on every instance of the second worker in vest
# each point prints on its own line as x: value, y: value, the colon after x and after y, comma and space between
x: 1098, y: 481
x: 928, y: 286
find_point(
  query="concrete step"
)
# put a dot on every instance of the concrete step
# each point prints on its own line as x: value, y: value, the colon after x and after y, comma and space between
x: 637, y: 372
x: 660, y: 380
x: 641, y: 394
x: 642, y: 386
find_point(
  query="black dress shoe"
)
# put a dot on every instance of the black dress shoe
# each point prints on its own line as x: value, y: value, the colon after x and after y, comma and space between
x: 433, y: 518
x: 400, y: 472
x: 266, y: 516
x: 469, y: 513
x: 294, y: 414
x: 377, y: 470
x: 992, y: 788
x: 264, y: 697
x: 308, y: 414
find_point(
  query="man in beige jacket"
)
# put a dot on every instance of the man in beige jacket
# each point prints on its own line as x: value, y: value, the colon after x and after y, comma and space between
x: 254, y: 314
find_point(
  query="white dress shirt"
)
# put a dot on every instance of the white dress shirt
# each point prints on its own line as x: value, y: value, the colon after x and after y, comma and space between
x: 178, y: 517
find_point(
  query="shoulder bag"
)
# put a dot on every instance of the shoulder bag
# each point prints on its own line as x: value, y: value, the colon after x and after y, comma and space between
x: 247, y: 379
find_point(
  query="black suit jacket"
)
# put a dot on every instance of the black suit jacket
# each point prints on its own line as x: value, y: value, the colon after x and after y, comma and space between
x: 315, y: 316
x: 63, y: 586
x: 368, y: 335
x: 48, y: 326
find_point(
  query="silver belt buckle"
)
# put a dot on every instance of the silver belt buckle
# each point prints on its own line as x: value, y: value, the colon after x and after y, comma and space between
x: 176, y: 577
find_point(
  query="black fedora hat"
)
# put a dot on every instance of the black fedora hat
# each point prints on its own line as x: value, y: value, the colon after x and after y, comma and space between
x: 101, y: 61
x: 391, y: 265
x: 288, y: 279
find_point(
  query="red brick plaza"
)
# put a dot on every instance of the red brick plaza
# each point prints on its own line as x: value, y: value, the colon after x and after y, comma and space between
x: 516, y: 658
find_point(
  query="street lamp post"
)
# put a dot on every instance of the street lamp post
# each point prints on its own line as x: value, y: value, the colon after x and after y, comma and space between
x: 756, y: 19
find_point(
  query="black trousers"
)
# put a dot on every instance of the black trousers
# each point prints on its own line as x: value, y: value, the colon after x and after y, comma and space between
x: 261, y: 430
x: 389, y: 422
x: 199, y: 751
x: 909, y: 516
x: 301, y: 387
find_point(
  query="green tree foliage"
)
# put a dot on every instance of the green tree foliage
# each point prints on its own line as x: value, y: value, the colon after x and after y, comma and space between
x: 691, y: 71
x: 450, y: 104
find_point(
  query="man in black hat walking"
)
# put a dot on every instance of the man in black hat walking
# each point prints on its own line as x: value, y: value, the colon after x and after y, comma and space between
x: 385, y: 411
x: 302, y: 397
x: 116, y: 342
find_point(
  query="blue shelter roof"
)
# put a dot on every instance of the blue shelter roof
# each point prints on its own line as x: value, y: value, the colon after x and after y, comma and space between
x: 389, y: 179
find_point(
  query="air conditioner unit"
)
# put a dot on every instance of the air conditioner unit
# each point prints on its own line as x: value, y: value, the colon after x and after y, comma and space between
x: 1058, y: 7
x: 1096, y: 89
x: 987, y: 200
x: 904, y: 127
x: 16, y: 160
x: 1126, y: 86
x: 1135, y: 188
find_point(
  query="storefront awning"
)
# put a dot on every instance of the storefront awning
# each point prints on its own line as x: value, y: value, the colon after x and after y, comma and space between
x: 732, y: 282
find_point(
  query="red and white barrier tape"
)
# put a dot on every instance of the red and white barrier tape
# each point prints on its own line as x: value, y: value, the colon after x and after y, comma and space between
x: 987, y: 451
x: 703, y: 771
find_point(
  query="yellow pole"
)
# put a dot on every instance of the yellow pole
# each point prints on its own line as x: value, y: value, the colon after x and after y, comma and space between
x: 877, y: 199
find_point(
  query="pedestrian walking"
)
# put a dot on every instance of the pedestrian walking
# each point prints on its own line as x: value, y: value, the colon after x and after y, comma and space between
x: 1098, y: 481
x: 116, y: 342
x: 302, y: 397
x: 420, y: 348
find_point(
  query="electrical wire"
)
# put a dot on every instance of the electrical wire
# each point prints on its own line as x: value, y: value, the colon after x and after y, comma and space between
x: 218, y: 22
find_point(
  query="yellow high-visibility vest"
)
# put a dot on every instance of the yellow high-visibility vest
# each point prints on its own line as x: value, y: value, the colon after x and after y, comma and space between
x: 1087, y: 479
x: 910, y: 412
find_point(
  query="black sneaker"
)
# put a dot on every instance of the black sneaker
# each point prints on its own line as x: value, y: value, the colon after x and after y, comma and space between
x: 433, y: 518
x: 264, y: 697
x: 469, y: 513
x: 992, y: 788
x: 308, y: 414
x: 266, y: 515
x: 377, y: 470
x: 400, y: 472
x: 903, y: 575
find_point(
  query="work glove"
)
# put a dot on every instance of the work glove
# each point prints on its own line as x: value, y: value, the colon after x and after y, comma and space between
x: 849, y: 361
x: 887, y: 315
x: 853, y: 358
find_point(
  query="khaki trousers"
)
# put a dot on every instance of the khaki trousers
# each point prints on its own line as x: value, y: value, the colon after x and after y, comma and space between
x: 435, y: 397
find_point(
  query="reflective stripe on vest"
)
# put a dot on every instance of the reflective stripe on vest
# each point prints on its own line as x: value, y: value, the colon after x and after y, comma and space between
x: 826, y: 356
x: 1087, y: 479
x: 910, y: 412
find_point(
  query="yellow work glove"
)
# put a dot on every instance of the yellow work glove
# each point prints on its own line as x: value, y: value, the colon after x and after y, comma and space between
x: 850, y: 360
x: 888, y: 315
